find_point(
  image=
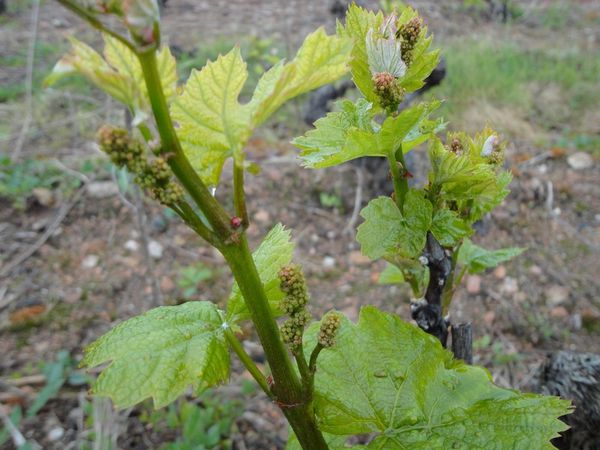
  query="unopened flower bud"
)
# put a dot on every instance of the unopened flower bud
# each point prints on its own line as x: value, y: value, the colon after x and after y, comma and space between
x: 121, y: 149
x: 409, y: 35
x: 291, y: 334
x: 293, y: 284
x: 388, y: 90
x: 330, y: 326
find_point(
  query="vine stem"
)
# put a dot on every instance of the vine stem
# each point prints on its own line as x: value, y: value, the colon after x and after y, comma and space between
x: 171, y: 149
x: 400, y: 182
x: 234, y: 247
x: 287, y: 387
x: 239, y: 196
x: 233, y: 244
x: 94, y: 22
x: 238, y: 348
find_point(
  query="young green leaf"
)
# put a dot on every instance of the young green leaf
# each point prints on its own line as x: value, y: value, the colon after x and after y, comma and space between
x: 320, y: 60
x: 213, y: 126
x: 378, y: 235
x: 274, y: 252
x: 349, y: 134
x: 358, y: 23
x: 448, y: 228
x: 119, y: 73
x: 160, y: 353
x: 386, y: 232
x: 477, y: 259
x: 388, y: 377
x: 423, y: 61
x: 391, y: 275
x: 326, y: 144
x: 334, y: 442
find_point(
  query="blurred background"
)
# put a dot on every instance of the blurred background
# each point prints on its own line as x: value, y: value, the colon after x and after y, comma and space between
x: 82, y: 249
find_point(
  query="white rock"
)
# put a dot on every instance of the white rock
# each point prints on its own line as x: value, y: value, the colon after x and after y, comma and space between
x: 90, y: 261
x: 328, y: 262
x: 102, y: 189
x: 132, y: 245
x: 155, y: 249
x: 556, y: 295
x: 580, y: 160
x: 510, y: 286
x: 55, y: 434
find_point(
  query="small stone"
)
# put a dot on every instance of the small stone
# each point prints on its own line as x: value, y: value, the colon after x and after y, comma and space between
x: 351, y: 312
x: 262, y: 216
x: 500, y: 272
x: 155, y: 249
x: 535, y: 270
x: 357, y: 258
x: 55, y: 434
x: 556, y: 295
x: 132, y: 245
x: 580, y: 161
x: 90, y: 261
x: 166, y: 284
x: 328, y: 262
x: 510, y: 286
x: 44, y: 196
x: 489, y: 317
x: 102, y: 189
x: 559, y: 312
x: 159, y: 224
x: 473, y: 284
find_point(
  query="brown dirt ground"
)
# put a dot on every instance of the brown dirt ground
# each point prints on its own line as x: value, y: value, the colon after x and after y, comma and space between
x: 545, y: 300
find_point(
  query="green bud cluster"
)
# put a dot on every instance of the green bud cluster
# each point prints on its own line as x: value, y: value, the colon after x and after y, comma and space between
x: 330, y: 326
x: 388, y: 90
x: 456, y: 146
x: 154, y: 176
x: 120, y: 148
x: 409, y: 34
x: 293, y: 285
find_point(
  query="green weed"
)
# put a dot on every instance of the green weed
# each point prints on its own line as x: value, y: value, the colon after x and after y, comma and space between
x: 550, y: 89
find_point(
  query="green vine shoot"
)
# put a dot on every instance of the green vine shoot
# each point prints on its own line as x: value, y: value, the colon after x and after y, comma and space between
x: 332, y: 378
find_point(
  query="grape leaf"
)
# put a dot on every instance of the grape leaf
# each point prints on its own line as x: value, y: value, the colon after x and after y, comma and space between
x: 322, y: 147
x: 391, y: 275
x: 334, y: 442
x: 213, y: 126
x: 477, y: 259
x: 160, y: 353
x: 448, y: 228
x: 423, y: 61
x: 119, y: 73
x: 378, y: 234
x: 358, y: 23
x: 274, y: 252
x: 349, y: 134
x: 387, y: 232
x: 320, y: 60
x: 388, y: 377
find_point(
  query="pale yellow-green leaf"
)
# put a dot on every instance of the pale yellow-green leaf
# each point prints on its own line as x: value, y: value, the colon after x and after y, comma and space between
x: 119, y: 73
x: 212, y: 125
x: 358, y: 23
x: 160, y: 353
x: 274, y: 252
x: 320, y: 60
